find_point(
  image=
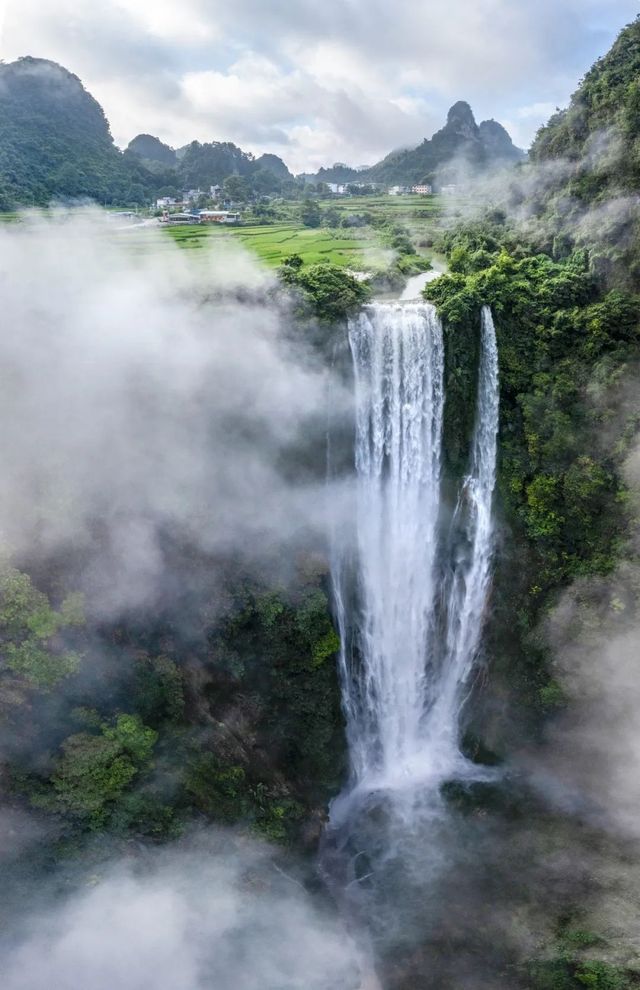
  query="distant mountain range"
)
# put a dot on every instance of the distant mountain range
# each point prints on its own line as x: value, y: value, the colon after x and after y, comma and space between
x: 55, y: 143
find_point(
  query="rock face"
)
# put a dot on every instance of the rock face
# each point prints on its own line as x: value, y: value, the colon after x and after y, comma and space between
x: 460, y: 121
x: 497, y: 142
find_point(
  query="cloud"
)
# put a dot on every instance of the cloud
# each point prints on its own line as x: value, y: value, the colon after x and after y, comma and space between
x: 270, y: 75
x: 139, y: 409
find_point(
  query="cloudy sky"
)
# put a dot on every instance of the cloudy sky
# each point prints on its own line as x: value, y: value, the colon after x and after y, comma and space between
x: 316, y: 82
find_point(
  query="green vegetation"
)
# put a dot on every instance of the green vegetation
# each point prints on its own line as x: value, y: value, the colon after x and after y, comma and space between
x: 565, y: 342
x: 575, y: 967
x: 589, y: 154
x: 566, y: 974
x: 93, y: 771
x: 331, y: 292
x: 561, y: 277
x: 35, y: 654
x: 55, y: 142
x: 567, y: 330
x: 273, y: 244
x: 477, y: 148
x: 247, y: 732
x: 55, y: 145
x: 391, y: 236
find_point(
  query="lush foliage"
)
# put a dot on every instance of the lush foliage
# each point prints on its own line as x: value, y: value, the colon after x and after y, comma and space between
x: 139, y: 730
x: 582, y: 187
x: 153, y: 151
x: 35, y: 639
x: 331, y: 292
x: 55, y: 144
x: 559, y: 336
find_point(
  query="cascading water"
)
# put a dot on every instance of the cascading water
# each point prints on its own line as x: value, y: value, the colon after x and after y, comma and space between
x: 472, y: 527
x: 398, y: 363
x: 408, y: 649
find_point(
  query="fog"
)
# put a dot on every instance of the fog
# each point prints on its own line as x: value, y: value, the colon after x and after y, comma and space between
x: 145, y: 391
x: 212, y: 912
x: 590, y: 760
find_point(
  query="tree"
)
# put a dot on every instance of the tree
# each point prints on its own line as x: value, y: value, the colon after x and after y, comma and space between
x: 235, y: 188
x: 332, y: 217
x: 294, y: 261
x: 332, y: 292
x: 310, y: 213
x: 264, y: 182
x: 94, y: 770
x: 30, y: 630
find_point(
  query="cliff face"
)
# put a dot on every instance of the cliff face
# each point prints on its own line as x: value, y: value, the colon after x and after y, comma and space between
x: 497, y: 141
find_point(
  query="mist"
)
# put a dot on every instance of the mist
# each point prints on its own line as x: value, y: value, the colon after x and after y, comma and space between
x: 589, y: 764
x: 149, y: 394
x: 213, y: 911
x: 154, y: 399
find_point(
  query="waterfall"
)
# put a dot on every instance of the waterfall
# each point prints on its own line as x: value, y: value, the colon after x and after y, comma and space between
x: 411, y: 626
x: 471, y: 547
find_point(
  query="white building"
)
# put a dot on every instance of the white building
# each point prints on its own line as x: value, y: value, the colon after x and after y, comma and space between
x: 337, y: 188
x: 450, y: 190
x: 166, y: 201
x: 215, y: 191
x: 192, y: 195
x: 398, y: 190
x: 423, y: 190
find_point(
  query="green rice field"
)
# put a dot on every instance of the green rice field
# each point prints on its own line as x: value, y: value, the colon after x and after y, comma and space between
x: 273, y: 243
x: 360, y: 248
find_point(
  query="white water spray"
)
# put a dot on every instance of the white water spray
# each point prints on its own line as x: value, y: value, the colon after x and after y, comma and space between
x: 413, y: 632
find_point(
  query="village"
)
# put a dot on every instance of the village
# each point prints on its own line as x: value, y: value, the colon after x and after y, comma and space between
x: 188, y: 208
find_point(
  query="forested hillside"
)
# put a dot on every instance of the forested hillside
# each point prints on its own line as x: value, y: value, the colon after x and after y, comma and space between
x: 460, y: 146
x: 203, y: 165
x: 55, y: 144
x: 583, y: 189
x: 55, y: 141
x: 557, y: 261
x: 152, y: 151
